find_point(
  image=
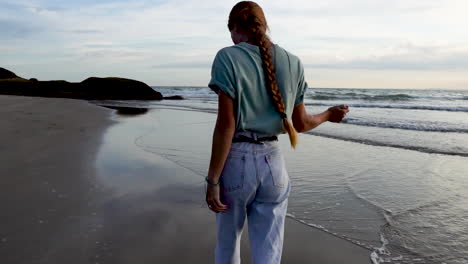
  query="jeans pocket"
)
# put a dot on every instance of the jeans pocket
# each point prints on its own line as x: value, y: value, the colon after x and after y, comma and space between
x: 232, y: 177
x: 277, y: 167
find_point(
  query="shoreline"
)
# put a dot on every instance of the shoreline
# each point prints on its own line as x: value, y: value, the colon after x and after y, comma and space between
x: 114, y: 202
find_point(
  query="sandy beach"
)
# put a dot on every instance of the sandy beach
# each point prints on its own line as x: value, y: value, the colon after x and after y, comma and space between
x: 76, y: 187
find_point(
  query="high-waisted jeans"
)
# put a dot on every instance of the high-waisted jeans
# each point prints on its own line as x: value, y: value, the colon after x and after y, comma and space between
x: 254, y: 185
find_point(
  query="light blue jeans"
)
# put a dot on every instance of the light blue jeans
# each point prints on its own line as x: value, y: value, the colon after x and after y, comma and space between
x: 254, y: 185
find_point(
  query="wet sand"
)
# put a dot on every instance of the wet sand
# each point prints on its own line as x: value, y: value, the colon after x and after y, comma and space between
x: 48, y: 149
x: 76, y: 188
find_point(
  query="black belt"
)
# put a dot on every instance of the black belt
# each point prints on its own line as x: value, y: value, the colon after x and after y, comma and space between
x: 260, y: 140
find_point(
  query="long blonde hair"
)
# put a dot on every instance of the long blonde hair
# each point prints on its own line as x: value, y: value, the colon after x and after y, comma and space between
x: 248, y: 16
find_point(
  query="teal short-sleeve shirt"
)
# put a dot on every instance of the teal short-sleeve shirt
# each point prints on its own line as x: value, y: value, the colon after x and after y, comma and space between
x: 237, y: 70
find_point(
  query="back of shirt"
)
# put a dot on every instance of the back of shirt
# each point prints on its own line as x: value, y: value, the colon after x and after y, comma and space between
x: 238, y: 71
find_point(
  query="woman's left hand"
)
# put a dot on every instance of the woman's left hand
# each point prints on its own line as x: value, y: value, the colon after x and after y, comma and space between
x: 213, y: 199
x: 337, y: 113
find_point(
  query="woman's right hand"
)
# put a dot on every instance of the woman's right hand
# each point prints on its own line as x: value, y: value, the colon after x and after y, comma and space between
x: 337, y: 113
x: 213, y: 199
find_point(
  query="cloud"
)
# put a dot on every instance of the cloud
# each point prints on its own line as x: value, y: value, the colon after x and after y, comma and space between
x: 87, y: 31
x: 183, y: 65
x: 16, y: 29
x: 349, y: 8
x: 406, y: 56
x: 184, y: 35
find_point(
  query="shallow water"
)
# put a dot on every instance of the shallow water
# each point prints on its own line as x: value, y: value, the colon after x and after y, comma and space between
x: 431, y: 121
x: 416, y: 202
x: 392, y: 178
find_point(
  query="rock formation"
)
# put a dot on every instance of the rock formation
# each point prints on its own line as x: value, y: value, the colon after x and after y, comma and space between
x: 93, y: 88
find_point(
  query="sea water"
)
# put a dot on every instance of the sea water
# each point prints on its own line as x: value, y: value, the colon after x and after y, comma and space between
x: 397, y: 182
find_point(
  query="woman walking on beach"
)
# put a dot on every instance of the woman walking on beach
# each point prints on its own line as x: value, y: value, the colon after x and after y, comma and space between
x: 261, y: 89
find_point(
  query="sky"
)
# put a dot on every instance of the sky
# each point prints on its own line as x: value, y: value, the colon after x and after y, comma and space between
x: 421, y: 44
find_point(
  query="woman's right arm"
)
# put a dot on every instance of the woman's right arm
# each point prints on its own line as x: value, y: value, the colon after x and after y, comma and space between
x: 303, y: 121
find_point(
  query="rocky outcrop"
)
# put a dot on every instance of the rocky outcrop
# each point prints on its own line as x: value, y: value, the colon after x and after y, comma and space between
x: 93, y: 88
x: 6, y: 74
x: 173, y: 97
x: 119, y: 88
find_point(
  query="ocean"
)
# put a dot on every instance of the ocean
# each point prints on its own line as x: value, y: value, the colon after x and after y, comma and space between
x: 397, y: 182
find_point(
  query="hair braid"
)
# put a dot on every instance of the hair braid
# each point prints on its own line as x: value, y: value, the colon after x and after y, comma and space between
x: 249, y: 17
x: 272, y: 84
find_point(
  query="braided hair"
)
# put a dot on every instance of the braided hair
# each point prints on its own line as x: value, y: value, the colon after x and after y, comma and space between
x: 249, y: 17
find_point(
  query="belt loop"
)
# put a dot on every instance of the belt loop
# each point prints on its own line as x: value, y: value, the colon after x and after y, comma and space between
x: 254, y: 136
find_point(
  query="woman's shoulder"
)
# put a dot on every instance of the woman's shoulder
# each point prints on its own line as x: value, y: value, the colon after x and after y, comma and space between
x: 234, y: 48
x: 226, y: 52
x: 293, y: 59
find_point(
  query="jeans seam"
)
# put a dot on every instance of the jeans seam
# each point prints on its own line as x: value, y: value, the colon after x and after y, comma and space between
x: 272, y: 173
x: 256, y: 170
x: 242, y: 177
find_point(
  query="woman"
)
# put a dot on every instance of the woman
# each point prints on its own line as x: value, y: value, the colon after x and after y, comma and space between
x: 260, y: 86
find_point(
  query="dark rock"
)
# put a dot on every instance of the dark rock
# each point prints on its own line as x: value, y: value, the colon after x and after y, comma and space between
x: 6, y: 74
x: 119, y: 88
x: 60, y: 88
x: 25, y: 87
x: 17, y: 86
x: 91, y: 89
x: 174, y: 97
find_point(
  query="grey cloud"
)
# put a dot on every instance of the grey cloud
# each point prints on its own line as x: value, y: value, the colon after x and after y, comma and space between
x: 86, y: 31
x: 111, y: 53
x: 14, y: 7
x: 16, y: 29
x: 183, y: 65
x: 406, y: 56
x: 11, y: 6
x: 373, y: 8
x: 448, y: 62
x: 350, y: 39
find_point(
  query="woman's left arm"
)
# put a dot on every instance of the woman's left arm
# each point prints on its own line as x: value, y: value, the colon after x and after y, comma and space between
x: 222, y: 139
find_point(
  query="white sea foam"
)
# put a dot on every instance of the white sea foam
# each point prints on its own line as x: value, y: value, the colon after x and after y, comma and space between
x: 381, y: 254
